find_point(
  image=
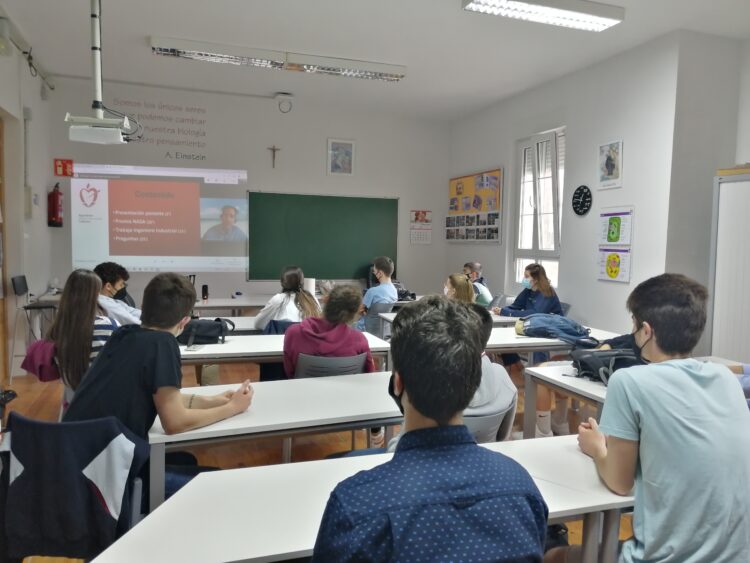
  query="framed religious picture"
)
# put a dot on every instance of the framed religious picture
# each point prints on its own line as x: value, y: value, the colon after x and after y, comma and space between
x: 610, y: 165
x: 340, y: 159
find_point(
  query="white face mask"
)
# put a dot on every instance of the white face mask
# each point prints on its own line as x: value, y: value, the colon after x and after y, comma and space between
x: 446, y: 290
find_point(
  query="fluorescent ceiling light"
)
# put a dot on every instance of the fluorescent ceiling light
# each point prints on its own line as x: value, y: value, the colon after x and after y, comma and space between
x: 576, y: 14
x: 262, y: 58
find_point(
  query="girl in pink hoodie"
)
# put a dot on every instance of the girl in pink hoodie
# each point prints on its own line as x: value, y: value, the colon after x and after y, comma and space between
x: 330, y: 336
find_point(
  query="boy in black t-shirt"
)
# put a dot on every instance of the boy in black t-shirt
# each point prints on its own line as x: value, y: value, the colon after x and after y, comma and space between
x: 137, y: 374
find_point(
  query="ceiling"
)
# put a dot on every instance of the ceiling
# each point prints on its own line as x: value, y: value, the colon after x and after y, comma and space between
x: 457, y: 61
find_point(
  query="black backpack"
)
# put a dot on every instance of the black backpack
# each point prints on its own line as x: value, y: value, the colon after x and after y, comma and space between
x: 205, y: 331
x: 599, y: 365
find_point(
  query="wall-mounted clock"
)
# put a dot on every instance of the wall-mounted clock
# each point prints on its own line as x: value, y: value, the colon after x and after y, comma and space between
x: 582, y: 200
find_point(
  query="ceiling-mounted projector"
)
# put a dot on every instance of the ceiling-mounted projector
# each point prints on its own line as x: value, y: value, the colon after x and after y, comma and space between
x: 116, y: 130
x: 102, y: 131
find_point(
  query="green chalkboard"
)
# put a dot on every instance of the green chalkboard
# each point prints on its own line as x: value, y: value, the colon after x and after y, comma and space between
x: 329, y: 237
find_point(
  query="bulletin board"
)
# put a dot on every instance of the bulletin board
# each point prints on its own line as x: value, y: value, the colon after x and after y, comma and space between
x: 475, y: 207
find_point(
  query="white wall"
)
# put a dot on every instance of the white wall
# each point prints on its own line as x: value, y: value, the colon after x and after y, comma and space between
x: 395, y: 157
x: 743, y: 120
x: 705, y: 137
x: 27, y: 241
x: 630, y: 97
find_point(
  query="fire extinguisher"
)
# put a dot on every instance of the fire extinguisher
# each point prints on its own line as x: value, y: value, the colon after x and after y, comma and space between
x: 55, y: 207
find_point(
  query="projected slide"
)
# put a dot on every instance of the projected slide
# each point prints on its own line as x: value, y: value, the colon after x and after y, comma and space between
x: 157, y: 219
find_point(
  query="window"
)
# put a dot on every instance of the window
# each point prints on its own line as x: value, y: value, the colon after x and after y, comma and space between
x: 542, y: 165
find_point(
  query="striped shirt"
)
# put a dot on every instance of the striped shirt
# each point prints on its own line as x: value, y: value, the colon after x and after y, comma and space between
x: 103, y: 329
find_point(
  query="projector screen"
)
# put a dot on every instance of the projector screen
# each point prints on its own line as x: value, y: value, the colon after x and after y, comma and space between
x: 152, y: 219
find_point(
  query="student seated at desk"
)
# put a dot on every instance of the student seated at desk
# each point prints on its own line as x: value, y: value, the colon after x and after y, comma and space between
x: 113, y: 293
x: 496, y: 392
x: 330, y: 336
x: 384, y: 292
x: 293, y: 304
x: 458, y: 287
x: 441, y: 497
x: 138, y: 374
x: 538, y: 296
x: 79, y: 331
x: 677, y: 429
x: 481, y: 291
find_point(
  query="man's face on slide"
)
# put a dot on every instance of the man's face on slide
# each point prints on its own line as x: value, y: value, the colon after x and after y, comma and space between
x: 228, y: 217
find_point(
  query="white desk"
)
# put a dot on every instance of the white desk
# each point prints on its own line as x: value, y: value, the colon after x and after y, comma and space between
x: 320, y: 404
x: 558, y: 378
x: 235, y: 305
x: 497, y: 320
x: 562, y: 379
x: 273, y: 512
x: 257, y: 348
x: 505, y: 339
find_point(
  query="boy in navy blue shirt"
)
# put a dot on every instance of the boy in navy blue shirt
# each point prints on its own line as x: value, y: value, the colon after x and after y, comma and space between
x: 441, y: 497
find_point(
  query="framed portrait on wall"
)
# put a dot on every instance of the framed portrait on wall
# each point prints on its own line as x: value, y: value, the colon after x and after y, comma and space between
x: 609, y: 161
x: 340, y: 160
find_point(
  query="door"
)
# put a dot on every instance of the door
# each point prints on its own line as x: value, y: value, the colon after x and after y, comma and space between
x: 731, y: 284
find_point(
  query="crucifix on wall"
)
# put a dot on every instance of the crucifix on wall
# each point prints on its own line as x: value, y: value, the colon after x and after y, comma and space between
x: 274, y: 149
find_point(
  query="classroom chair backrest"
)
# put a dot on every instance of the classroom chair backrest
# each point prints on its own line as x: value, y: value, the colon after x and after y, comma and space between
x: 373, y: 322
x: 321, y: 366
x: 497, y: 301
x: 565, y: 308
x: 492, y: 427
x: 82, y: 478
x: 277, y: 327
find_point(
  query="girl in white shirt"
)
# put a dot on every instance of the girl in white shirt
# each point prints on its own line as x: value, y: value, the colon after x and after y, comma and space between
x: 294, y: 303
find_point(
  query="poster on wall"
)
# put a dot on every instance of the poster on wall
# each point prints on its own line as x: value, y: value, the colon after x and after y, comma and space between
x: 616, y: 226
x: 614, y: 264
x: 475, y: 207
x: 420, y: 221
x: 609, y: 160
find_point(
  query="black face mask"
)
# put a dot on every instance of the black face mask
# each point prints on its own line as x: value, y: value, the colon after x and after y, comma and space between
x: 121, y: 293
x: 639, y: 349
x: 392, y: 393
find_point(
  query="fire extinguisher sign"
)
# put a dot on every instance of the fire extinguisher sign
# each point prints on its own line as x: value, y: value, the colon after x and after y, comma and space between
x: 63, y: 167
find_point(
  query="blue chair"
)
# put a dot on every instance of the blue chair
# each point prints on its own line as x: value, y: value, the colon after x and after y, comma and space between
x: 274, y: 371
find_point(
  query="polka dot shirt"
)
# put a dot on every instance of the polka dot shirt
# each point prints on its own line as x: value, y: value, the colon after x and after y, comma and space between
x: 441, y: 498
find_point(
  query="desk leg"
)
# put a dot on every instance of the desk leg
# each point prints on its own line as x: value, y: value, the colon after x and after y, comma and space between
x: 592, y: 523
x: 157, y: 472
x: 599, y: 407
x: 610, y: 536
x: 529, y: 406
x: 286, y: 450
x: 388, y: 434
x: 199, y: 374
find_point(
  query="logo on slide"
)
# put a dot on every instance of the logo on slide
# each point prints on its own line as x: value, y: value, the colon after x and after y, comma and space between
x: 88, y: 195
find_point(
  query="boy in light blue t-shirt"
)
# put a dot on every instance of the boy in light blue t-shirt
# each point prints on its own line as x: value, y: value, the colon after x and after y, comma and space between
x: 384, y: 292
x: 679, y: 430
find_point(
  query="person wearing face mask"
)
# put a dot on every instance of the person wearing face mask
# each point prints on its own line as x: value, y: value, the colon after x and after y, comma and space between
x: 538, y: 295
x: 458, y: 287
x: 384, y: 292
x: 138, y: 376
x: 114, y: 289
x: 441, y: 496
x: 677, y: 430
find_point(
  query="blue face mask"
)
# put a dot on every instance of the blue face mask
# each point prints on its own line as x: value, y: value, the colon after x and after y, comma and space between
x: 526, y: 282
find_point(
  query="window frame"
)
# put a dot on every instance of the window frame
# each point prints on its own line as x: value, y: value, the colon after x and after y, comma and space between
x: 535, y: 254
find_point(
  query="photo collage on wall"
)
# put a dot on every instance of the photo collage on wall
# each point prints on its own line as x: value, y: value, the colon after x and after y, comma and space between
x: 474, y: 209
